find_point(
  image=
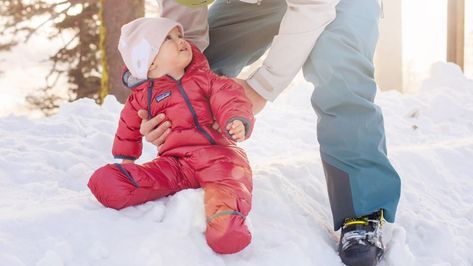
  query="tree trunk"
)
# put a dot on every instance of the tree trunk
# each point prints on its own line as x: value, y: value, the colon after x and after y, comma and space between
x: 114, y: 14
x: 456, y: 32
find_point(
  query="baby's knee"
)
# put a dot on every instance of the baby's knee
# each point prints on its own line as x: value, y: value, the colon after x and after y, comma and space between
x: 228, y: 234
x: 109, y: 187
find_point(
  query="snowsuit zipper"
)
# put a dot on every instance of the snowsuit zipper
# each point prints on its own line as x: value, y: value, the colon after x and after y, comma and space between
x: 194, y: 114
x: 189, y: 105
x: 150, y: 93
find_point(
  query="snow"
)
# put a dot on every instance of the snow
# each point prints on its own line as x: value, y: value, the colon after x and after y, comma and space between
x: 48, y: 217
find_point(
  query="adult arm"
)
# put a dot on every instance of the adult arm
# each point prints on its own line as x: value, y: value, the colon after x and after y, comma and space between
x: 300, y: 28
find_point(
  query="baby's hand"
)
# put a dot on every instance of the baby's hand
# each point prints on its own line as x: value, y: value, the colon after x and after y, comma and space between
x: 236, y: 129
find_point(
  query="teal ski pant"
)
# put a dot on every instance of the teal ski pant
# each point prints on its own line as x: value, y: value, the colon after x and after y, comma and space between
x: 350, y: 130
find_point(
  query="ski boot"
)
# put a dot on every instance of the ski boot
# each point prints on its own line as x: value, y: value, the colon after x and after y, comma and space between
x: 360, y: 240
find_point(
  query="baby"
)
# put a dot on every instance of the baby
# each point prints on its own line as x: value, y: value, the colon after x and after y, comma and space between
x: 169, y: 75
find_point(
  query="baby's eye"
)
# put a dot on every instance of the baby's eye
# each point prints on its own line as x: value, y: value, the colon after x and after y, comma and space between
x: 180, y: 36
x: 168, y: 37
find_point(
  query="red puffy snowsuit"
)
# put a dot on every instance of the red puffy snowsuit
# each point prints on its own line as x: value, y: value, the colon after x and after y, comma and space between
x: 194, y: 154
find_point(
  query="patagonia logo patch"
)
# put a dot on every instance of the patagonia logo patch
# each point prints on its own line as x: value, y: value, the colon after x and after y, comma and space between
x: 163, y: 96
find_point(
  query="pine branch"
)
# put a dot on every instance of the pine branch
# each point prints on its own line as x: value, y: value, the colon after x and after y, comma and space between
x: 51, y: 18
x: 78, y: 59
x: 54, y: 69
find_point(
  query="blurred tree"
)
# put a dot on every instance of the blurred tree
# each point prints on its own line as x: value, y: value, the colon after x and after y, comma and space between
x: 109, y: 34
x: 94, y: 27
x: 456, y: 32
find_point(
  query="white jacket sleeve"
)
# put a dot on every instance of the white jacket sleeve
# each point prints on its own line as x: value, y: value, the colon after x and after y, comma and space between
x: 300, y: 28
x: 193, y: 20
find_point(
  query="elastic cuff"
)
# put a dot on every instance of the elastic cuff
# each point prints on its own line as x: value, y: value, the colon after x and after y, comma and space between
x: 261, y: 85
x: 222, y: 213
x: 124, y: 157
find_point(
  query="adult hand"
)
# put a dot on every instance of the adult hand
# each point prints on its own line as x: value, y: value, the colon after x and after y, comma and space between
x: 155, y: 129
x: 257, y: 100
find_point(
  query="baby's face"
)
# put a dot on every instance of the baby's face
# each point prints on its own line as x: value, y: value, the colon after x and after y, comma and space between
x: 175, y: 53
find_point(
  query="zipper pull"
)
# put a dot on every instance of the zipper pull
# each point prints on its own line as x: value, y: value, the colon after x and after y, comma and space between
x: 150, y: 94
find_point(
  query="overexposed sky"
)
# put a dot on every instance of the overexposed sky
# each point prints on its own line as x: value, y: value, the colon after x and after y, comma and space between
x: 424, y: 38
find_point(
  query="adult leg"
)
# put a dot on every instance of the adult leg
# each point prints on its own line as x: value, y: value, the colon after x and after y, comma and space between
x: 225, y: 176
x: 240, y: 33
x: 350, y: 130
x: 121, y: 185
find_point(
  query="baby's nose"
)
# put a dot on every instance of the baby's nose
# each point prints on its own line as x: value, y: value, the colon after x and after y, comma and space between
x: 181, y: 44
